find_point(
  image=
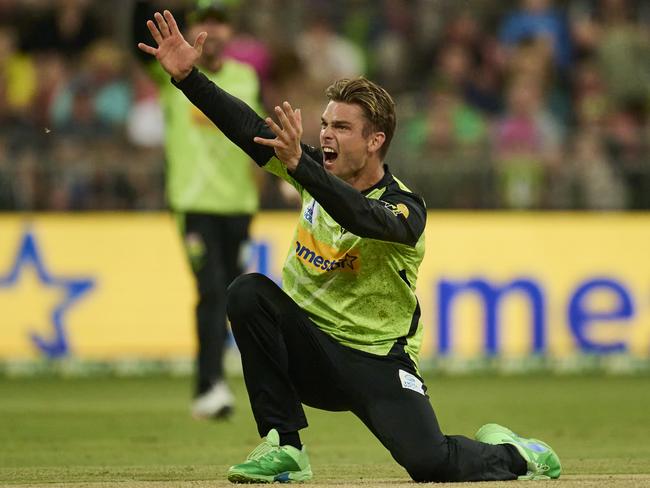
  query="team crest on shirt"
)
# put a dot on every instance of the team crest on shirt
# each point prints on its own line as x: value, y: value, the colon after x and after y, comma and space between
x: 399, y: 209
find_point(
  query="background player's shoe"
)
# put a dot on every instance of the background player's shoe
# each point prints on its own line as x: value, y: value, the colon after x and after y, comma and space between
x: 542, y: 461
x: 270, y: 462
x: 216, y: 403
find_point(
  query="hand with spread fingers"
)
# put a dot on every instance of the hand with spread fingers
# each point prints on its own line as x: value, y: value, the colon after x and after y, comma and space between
x: 287, y: 143
x: 174, y: 53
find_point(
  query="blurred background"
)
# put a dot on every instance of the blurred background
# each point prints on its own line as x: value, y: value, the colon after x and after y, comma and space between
x: 508, y: 112
x: 522, y: 104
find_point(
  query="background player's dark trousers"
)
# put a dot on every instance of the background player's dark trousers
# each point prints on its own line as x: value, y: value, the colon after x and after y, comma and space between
x: 287, y: 361
x: 213, y: 245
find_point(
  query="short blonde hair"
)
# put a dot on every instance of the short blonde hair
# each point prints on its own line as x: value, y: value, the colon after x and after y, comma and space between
x: 377, y: 105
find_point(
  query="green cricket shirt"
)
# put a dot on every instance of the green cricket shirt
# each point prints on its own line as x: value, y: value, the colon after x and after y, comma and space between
x: 360, y: 290
x: 206, y: 173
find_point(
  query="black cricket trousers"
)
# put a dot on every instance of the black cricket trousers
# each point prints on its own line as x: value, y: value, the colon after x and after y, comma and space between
x: 213, y: 244
x: 288, y: 361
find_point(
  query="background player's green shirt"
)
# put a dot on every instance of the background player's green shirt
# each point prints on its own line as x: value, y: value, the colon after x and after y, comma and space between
x: 207, y: 173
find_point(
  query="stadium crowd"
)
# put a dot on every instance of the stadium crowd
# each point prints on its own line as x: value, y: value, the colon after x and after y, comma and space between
x: 523, y: 104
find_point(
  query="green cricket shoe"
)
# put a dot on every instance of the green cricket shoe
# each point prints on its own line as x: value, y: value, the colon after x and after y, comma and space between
x: 541, y: 459
x: 270, y: 462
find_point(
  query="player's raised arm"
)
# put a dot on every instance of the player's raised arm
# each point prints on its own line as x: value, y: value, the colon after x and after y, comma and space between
x: 234, y: 118
x: 174, y: 53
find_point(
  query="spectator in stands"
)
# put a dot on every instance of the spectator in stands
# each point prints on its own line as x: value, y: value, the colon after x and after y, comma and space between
x: 533, y: 58
x: 621, y: 48
x: 613, y: 81
x: 247, y: 48
x: 67, y: 27
x: 448, y: 125
x: 391, y: 61
x: 54, y: 74
x: 448, y: 142
x: 591, y: 100
x: 327, y: 55
x: 599, y: 185
x: 145, y: 125
x: 526, y: 145
x: 537, y: 19
x: 98, y: 99
x: 18, y: 78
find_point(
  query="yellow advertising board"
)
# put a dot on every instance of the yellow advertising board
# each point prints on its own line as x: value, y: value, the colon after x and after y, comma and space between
x: 109, y: 286
x: 548, y: 284
x: 97, y: 286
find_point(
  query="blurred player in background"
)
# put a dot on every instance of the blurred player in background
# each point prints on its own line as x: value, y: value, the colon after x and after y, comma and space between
x: 344, y: 332
x: 211, y: 188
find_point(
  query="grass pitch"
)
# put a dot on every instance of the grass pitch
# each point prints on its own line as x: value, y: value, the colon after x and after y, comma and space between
x: 137, y: 433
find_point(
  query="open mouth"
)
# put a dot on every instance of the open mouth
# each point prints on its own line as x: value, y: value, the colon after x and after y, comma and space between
x: 329, y: 155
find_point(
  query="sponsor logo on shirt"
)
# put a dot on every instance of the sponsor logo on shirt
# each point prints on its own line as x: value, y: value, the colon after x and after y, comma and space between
x: 309, y: 212
x: 399, y: 209
x: 323, y: 257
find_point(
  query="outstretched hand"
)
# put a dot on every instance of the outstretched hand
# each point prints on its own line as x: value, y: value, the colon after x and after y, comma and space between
x: 174, y: 53
x: 287, y: 143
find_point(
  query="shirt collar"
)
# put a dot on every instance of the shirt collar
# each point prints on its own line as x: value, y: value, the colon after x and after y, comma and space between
x: 387, y: 178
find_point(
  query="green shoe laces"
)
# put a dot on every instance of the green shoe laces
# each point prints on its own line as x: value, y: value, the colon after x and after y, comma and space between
x: 262, y: 450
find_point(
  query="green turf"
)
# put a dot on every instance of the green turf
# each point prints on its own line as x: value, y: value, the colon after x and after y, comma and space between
x: 135, y: 431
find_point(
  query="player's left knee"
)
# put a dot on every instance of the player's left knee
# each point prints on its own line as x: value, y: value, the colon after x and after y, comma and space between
x: 243, y: 289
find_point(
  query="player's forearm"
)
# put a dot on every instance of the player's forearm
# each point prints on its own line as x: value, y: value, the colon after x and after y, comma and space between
x: 232, y: 116
x: 353, y: 211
